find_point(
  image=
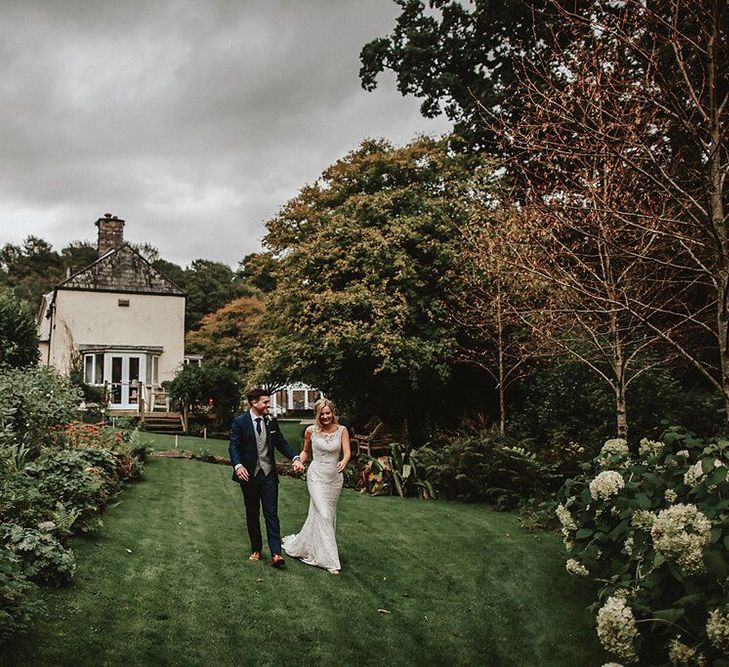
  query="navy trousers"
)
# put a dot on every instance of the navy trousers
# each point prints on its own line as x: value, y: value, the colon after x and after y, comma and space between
x: 262, y: 490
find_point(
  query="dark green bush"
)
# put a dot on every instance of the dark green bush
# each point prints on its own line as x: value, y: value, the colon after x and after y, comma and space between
x: 19, y: 601
x: 652, y: 531
x: 207, y: 390
x: 18, y: 333
x: 81, y: 479
x: 485, y: 466
x: 34, y: 404
x: 42, y: 556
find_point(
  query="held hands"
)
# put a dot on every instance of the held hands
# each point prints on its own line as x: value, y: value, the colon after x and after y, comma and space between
x: 298, y: 466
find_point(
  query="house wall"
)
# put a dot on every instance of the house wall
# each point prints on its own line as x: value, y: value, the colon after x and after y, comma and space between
x: 95, y: 318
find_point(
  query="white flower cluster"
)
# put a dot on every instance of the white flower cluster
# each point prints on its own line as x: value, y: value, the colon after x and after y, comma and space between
x: 577, y: 568
x: 717, y: 629
x: 607, y: 483
x: 680, y: 533
x: 696, y: 472
x: 47, y: 526
x: 684, y: 656
x: 648, y: 448
x: 612, y: 664
x: 628, y: 546
x: 683, y: 452
x: 616, y: 628
x: 670, y: 495
x: 565, y: 518
x: 615, y: 447
x: 643, y: 519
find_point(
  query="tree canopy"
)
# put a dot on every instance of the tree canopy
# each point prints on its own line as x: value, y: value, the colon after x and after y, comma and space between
x: 364, y: 256
x: 18, y: 335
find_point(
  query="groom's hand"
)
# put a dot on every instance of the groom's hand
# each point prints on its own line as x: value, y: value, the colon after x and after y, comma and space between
x: 242, y: 474
x: 298, y: 466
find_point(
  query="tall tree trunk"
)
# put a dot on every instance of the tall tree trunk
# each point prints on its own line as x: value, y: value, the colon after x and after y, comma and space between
x: 502, y: 373
x: 621, y: 412
x: 717, y: 222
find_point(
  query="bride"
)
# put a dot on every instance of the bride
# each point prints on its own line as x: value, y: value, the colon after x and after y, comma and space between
x: 316, y: 544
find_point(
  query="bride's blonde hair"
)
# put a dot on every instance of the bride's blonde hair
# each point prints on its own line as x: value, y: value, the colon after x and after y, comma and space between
x: 319, y: 406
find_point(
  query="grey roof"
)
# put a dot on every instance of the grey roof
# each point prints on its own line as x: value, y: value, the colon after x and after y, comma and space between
x: 122, y: 270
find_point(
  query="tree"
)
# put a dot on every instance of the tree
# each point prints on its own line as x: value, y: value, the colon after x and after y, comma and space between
x: 208, y: 389
x: 364, y: 258
x: 209, y: 286
x: 18, y: 334
x: 259, y: 270
x: 31, y: 269
x: 170, y: 270
x: 228, y: 336
x: 78, y: 255
x: 622, y: 142
x: 456, y: 56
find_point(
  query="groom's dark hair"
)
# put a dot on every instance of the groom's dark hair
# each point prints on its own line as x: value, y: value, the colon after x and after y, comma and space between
x: 255, y: 394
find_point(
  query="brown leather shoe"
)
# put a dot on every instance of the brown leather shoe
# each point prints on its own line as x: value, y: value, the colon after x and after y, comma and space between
x: 277, y: 561
x: 256, y: 555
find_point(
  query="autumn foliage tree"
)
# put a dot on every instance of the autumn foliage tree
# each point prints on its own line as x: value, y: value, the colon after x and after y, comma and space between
x: 227, y: 337
x: 616, y: 166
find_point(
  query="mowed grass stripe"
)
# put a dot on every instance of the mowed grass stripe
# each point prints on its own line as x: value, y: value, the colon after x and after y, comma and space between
x: 463, y: 585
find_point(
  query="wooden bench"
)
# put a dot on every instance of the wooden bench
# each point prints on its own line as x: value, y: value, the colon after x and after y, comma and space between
x: 372, y: 439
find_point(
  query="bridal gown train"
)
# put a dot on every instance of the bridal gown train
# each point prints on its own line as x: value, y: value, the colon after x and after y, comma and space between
x: 316, y: 544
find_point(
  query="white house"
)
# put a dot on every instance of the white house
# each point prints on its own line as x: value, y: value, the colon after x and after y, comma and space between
x: 120, y: 318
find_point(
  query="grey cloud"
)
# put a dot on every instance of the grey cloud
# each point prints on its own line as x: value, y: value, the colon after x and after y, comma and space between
x: 194, y: 121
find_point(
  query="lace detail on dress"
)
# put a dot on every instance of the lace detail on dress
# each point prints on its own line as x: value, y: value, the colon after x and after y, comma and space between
x: 316, y: 544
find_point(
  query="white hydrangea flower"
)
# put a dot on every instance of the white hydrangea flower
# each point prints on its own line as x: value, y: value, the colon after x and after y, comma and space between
x: 680, y: 533
x: 607, y: 483
x: 696, y: 472
x: 628, y: 546
x: 683, y: 452
x: 648, y: 448
x: 693, y: 474
x: 684, y: 656
x: 670, y: 495
x: 575, y: 567
x: 615, y: 446
x: 616, y: 628
x: 717, y: 629
x: 565, y: 518
x: 643, y: 519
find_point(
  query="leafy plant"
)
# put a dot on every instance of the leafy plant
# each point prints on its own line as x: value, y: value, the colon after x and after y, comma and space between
x: 399, y: 473
x: 651, y: 529
x: 485, y: 466
x: 19, y: 601
x: 43, y: 557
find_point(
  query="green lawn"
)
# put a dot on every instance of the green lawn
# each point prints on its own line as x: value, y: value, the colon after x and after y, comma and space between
x: 293, y: 431
x: 167, y: 582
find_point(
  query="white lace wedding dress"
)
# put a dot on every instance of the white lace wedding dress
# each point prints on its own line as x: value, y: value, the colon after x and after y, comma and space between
x: 316, y: 544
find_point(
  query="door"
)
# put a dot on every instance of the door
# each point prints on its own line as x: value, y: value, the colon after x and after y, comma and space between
x: 125, y: 374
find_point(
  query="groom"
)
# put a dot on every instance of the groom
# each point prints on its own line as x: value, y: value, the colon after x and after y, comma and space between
x: 253, y: 435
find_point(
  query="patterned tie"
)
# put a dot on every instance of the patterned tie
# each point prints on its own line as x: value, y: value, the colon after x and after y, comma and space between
x: 258, y: 425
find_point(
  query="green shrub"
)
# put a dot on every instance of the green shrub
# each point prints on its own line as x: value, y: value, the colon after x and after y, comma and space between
x: 34, y: 404
x: 207, y: 389
x: 18, y: 333
x: 42, y: 556
x: 81, y: 479
x: 652, y: 530
x: 487, y: 467
x: 399, y: 473
x: 19, y: 601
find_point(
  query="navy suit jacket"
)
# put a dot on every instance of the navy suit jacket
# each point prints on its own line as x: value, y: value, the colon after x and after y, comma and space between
x: 243, y: 447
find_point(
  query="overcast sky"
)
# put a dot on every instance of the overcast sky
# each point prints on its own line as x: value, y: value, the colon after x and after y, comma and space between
x: 193, y: 120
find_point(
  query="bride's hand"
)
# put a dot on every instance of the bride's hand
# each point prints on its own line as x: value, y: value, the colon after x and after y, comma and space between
x: 341, y: 466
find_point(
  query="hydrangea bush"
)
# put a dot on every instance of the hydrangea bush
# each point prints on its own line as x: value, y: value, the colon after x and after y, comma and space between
x: 651, y: 530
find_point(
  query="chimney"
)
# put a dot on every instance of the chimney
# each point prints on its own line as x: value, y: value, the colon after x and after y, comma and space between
x: 111, y: 233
